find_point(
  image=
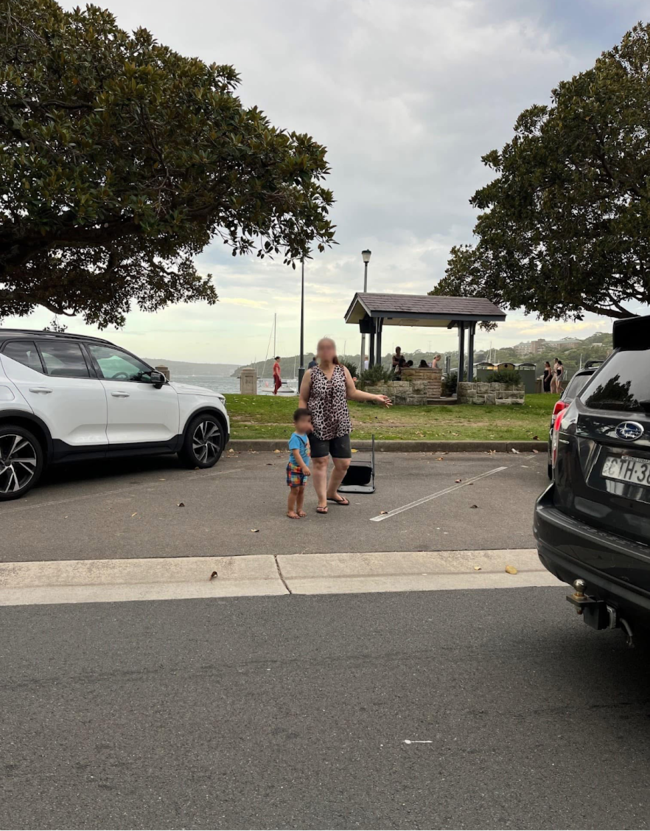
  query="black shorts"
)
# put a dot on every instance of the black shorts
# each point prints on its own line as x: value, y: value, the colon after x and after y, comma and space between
x: 338, y: 448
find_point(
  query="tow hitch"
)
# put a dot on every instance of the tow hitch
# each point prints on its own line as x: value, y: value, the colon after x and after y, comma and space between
x: 597, y: 613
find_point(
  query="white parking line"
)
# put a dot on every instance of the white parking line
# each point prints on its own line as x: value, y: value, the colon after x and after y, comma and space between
x: 424, y: 499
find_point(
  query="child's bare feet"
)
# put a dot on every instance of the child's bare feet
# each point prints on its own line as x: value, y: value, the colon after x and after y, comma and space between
x: 301, y: 513
x: 293, y: 515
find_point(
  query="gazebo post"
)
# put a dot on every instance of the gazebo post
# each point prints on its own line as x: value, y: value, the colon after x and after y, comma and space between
x: 461, y: 352
x: 470, y: 352
x: 380, y: 326
x: 371, y: 354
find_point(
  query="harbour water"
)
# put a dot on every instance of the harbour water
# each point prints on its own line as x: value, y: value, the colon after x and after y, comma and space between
x: 226, y: 384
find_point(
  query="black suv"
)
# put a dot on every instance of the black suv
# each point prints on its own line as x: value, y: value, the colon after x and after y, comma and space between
x: 592, y: 524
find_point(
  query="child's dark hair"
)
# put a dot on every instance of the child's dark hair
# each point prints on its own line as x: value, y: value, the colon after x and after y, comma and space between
x: 301, y: 412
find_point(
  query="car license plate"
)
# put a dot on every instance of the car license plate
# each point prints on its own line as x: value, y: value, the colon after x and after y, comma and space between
x: 627, y: 469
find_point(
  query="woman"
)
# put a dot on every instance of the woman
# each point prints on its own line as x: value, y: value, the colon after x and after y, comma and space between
x: 277, y: 380
x: 423, y: 364
x: 554, y: 376
x: 548, y: 374
x: 325, y: 391
x: 435, y: 363
x: 559, y: 373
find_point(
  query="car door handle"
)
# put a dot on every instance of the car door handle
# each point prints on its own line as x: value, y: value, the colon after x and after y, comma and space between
x: 120, y: 394
x: 41, y: 390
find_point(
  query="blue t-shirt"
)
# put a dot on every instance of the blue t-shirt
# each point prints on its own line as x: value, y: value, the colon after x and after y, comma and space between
x: 298, y: 442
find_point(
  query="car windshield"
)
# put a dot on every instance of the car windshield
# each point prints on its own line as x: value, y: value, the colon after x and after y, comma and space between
x: 622, y: 384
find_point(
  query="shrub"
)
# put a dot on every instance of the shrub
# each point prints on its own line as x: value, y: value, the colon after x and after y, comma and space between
x: 505, y: 376
x: 450, y: 384
x: 375, y: 376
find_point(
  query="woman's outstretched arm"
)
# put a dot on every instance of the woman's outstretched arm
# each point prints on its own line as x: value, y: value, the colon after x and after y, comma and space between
x: 354, y: 394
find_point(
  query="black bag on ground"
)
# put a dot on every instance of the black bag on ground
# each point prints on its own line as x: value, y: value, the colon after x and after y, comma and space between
x: 360, y: 476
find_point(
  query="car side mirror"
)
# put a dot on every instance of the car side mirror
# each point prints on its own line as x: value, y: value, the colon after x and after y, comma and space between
x: 158, y: 379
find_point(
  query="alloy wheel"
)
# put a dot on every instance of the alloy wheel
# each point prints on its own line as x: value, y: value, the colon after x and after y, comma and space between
x: 18, y: 463
x: 206, y: 442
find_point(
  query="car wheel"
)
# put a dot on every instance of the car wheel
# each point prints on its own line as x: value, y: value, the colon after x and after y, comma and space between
x: 21, y: 461
x: 204, y: 441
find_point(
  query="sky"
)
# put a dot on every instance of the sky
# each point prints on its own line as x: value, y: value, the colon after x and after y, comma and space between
x: 407, y: 95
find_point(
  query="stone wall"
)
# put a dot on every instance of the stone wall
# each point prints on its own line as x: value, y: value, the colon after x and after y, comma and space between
x: 402, y: 392
x: 482, y: 392
x: 428, y: 379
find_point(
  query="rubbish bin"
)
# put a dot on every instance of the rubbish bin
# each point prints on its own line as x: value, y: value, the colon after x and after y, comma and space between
x: 528, y: 372
x: 484, y: 370
x: 505, y: 366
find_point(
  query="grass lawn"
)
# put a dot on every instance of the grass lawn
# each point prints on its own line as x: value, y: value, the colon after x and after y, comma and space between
x: 268, y: 417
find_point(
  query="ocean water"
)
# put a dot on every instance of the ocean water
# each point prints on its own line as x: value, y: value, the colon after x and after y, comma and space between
x: 225, y: 383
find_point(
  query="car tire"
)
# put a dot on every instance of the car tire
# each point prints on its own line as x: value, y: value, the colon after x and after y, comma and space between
x: 21, y: 461
x: 203, y: 442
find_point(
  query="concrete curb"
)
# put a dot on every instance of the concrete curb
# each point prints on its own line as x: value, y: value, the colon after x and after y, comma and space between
x: 112, y: 581
x: 260, y: 445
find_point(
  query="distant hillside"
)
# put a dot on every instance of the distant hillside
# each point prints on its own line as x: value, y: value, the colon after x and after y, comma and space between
x: 189, y: 368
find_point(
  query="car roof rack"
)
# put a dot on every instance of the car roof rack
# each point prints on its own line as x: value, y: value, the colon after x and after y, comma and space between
x: 47, y: 333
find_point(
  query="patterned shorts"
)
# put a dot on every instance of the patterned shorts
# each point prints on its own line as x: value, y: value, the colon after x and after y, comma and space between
x: 295, y: 477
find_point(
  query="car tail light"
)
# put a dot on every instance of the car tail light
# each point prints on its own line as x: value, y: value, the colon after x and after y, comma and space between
x: 556, y: 432
x: 559, y: 406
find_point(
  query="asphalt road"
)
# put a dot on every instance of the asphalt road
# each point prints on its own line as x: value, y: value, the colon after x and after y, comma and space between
x: 294, y: 712
x: 131, y: 509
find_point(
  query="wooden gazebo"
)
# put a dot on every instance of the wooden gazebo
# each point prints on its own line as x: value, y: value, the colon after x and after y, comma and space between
x: 374, y: 311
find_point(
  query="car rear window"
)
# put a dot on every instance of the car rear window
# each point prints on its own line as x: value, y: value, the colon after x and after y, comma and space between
x: 623, y: 384
x: 25, y: 353
x: 576, y: 384
x: 64, y: 360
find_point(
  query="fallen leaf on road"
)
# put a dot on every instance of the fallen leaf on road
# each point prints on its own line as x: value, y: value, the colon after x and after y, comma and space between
x: 458, y: 480
x: 383, y: 512
x: 477, y: 568
x: 269, y: 464
x: 255, y: 530
x: 535, y: 451
x: 276, y: 451
x: 213, y: 575
x: 512, y: 450
x: 354, y: 450
x: 473, y: 506
x: 511, y: 570
x: 135, y: 514
x: 181, y: 504
x: 440, y: 459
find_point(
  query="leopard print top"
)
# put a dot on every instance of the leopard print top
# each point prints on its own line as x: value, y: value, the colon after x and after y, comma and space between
x: 328, y: 404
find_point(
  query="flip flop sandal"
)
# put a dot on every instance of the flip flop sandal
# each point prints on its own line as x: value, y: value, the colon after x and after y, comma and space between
x: 343, y: 502
x: 321, y: 510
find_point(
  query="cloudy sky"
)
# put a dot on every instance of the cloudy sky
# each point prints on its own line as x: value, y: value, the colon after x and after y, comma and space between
x: 407, y: 95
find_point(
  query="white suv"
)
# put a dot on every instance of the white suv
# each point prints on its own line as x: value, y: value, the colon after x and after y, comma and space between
x: 67, y: 397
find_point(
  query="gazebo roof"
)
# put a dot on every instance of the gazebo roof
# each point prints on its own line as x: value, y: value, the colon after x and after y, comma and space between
x: 422, y: 309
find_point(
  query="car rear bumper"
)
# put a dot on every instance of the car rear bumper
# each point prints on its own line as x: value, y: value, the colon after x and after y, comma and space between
x: 615, y: 569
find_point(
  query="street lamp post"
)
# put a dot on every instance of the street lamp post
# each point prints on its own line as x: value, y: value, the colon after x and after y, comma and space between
x: 301, y: 368
x: 366, y: 259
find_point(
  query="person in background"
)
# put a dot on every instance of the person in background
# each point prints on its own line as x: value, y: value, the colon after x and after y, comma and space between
x: 409, y: 364
x: 554, y: 375
x: 435, y: 363
x: 559, y: 374
x: 365, y: 362
x: 396, y: 358
x: 325, y: 392
x: 423, y: 364
x: 299, y: 461
x: 277, y: 380
x: 312, y: 363
x: 547, y: 377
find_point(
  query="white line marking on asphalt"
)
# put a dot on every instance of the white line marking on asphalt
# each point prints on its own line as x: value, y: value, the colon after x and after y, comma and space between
x: 418, y: 741
x: 37, y: 505
x: 424, y: 499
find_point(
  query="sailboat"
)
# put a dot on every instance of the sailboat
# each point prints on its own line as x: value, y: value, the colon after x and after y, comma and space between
x: 266, y: 386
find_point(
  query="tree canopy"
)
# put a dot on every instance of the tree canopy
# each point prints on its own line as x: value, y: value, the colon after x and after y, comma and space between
x: 565, y: 225
x: 120, y: 160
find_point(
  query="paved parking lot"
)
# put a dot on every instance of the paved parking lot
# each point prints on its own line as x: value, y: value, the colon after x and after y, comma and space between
x: 131, y: 509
